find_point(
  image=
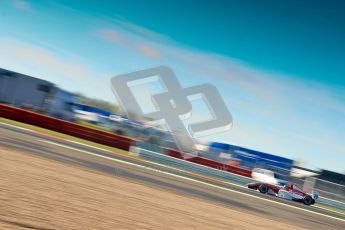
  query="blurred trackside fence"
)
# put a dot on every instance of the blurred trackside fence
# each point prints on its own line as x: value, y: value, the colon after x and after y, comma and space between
x: 69, y: 128
x: 331, y: 194
x: 190, y: 166
x: 205, y: 162
x: 330, y: 190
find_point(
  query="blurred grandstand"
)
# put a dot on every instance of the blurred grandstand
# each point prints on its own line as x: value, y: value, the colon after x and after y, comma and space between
x: 35, y: 94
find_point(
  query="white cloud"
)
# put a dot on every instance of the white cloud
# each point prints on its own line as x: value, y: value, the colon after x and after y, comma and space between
x: 23, y: 54
x: 111, y: 35
x: 148, y: 50
x: 21, y: 5
x: 133, y: 43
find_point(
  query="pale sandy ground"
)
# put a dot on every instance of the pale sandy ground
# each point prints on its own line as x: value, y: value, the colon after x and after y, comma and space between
x: 39, y: 193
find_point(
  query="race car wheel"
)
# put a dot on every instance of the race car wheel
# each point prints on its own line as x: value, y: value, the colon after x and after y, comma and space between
x: 263, y: 188
x: 307, y: 200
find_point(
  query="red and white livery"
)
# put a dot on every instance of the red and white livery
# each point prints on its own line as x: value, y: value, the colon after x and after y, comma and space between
x: 289, y: 192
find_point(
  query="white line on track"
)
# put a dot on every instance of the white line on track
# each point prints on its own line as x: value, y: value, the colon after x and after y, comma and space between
x: 89, y: 146
x: 190, y: 179
x: 14, y: 126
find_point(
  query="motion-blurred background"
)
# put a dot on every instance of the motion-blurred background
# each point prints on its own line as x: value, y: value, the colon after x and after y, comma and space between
x: 278, y: 66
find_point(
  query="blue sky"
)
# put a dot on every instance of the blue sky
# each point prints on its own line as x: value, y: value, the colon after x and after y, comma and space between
x: 278, y: 65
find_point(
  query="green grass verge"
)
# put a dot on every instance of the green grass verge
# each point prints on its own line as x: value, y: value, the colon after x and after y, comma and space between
x: 62, y: 135
x: 330, y: 208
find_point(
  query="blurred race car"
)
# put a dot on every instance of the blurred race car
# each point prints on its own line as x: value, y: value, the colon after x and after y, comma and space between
x: 268, y: 176
x: 289, y: 192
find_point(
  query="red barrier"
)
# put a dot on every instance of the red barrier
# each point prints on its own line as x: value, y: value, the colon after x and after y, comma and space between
x: 173, y: 153
x: 73, y: 129
x: 221, y: 166
x: 210, y: 163
x: 101, y: 137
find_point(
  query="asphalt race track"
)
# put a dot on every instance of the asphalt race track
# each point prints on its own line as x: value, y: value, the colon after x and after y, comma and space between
x: 168, y: 178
